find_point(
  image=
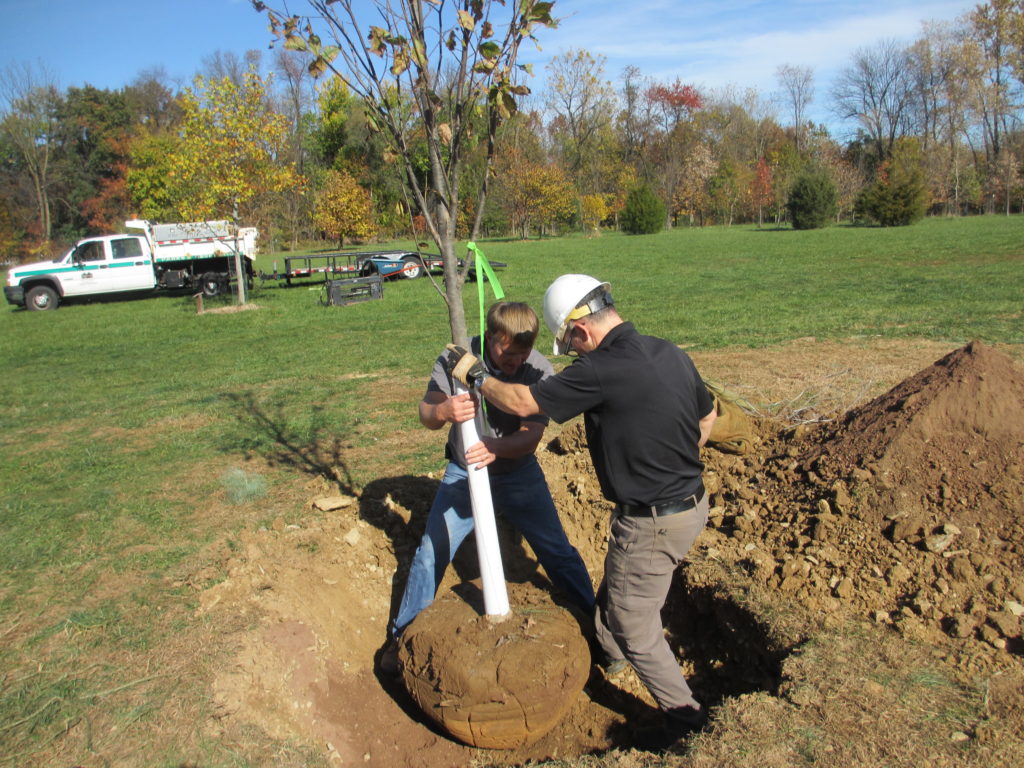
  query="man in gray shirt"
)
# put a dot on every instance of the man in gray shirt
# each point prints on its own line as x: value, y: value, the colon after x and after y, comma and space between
x: 518, y: 488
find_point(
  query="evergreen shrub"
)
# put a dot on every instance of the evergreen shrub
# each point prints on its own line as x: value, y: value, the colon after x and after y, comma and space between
x: 812, y: 200
x: 644, y: 213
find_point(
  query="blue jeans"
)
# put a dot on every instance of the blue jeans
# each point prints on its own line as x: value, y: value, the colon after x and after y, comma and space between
x: 523, y: 499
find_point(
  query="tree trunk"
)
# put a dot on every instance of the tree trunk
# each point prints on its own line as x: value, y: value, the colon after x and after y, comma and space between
x: 453, y: 294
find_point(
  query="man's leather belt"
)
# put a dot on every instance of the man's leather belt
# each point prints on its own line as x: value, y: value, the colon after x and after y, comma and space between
x: 662, y: 510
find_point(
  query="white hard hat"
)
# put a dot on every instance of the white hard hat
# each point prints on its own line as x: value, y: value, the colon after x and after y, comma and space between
x: 561, y: 305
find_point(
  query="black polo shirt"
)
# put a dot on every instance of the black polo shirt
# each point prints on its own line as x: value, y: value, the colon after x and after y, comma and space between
x: 642, y: 401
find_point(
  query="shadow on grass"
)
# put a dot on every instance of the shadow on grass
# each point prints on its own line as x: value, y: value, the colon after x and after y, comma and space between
x: 273, y: 437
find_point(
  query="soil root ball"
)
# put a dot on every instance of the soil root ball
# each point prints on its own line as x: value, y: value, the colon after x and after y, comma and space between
x: 494, y: 684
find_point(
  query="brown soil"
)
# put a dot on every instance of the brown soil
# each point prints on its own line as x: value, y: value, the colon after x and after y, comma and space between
x: 494, y: 682
x: 905, y: 512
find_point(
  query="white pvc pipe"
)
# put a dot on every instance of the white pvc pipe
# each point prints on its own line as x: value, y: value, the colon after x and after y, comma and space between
x: 491, y: 573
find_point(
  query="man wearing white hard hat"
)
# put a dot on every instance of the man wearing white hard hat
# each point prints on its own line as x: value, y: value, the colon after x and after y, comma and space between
x: 647, y: 413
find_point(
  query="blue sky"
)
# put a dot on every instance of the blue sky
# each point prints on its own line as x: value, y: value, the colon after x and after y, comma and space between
x: 708, y: 43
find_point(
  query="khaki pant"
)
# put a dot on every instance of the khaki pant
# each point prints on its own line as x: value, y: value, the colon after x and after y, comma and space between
x: 643, y: 553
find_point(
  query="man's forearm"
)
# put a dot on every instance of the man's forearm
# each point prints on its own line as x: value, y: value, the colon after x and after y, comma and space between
x: 511, y: 398
x: 429, y: 417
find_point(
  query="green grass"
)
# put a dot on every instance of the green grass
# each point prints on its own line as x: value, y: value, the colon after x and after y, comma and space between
x: 110, y: 404
x: 127, y: 424
x: 952, y: 279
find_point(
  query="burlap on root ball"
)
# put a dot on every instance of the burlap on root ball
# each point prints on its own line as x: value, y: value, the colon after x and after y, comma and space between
x: 494, y: 684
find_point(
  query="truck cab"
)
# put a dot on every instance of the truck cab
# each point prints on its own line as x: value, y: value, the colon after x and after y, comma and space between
x: 97, y: 265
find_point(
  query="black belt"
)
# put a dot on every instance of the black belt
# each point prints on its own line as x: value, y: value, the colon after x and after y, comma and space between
x: 662, y: 510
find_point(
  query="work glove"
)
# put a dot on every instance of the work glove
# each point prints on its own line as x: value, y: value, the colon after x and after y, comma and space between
x: 465, y: 367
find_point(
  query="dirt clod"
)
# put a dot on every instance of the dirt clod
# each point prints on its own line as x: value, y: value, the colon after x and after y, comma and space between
x: 497, y: 684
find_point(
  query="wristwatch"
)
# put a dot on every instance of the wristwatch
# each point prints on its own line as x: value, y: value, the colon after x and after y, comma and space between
x: 478, y: 382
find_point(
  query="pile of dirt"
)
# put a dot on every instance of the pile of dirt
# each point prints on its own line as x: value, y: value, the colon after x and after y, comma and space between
x: 908, y: 510
x: 948, y: 438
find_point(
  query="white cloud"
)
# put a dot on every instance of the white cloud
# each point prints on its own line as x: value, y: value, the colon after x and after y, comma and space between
x: 714, y: 39
x: 737, y: 43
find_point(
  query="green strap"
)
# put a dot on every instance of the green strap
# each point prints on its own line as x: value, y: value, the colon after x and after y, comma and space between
x: 483, y: 267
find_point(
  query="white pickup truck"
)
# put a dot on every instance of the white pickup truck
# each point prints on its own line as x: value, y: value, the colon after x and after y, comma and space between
x: 196, y: 255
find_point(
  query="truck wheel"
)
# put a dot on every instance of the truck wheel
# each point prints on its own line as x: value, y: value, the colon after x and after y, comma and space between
x: 212, y: 284
x: 413, y: 268
x: 41, y: 298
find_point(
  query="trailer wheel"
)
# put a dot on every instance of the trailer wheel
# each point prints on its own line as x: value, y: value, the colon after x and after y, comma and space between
x: 413, y: 268
x: 212, y: 284
x: 41, y: 298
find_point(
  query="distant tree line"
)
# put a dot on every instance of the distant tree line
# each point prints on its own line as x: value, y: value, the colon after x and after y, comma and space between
x: 935, y: 128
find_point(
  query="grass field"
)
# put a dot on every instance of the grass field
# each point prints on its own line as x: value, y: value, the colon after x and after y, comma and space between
x: 128, y: 426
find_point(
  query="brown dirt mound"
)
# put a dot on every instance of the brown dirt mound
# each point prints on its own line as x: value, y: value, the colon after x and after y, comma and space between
x: 950, y: 438
x: 494, y: 683
x: 908, y: 511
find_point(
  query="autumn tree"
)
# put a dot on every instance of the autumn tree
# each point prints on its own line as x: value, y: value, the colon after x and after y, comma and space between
x: 533, y: 194
x: 430, y: 71
x: 727, y: 189
x: 674, y: 103
x: 997, y: 28
x: 343, y: 208
x: 554, y: 199
x: 30, y: 100
x: 848, y: 180
x: 945, y: 71
x: 150, y: 174
x: 741, y: 128
x: 581, y: 103
x: 674, y: 138
x: 593, y: 210
x: 294, y: 97
x: 697, y: 167
x: 156, y: 114
x: 581, y: 131
x: 761, y: 193
x: 227, y: 163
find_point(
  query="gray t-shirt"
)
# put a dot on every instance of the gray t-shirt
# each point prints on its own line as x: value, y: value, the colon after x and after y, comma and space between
x: 501, y: 423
